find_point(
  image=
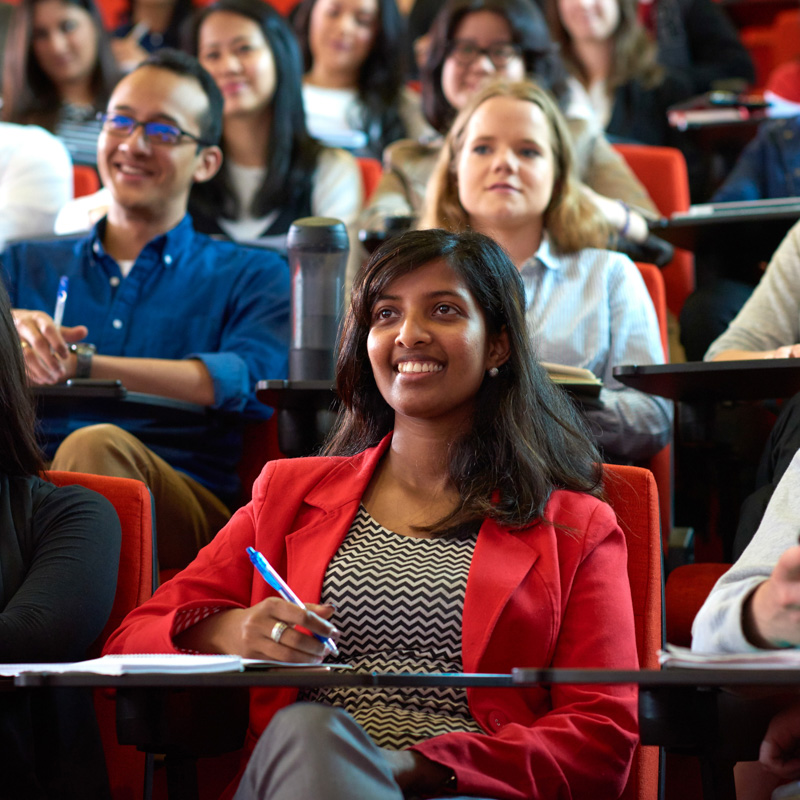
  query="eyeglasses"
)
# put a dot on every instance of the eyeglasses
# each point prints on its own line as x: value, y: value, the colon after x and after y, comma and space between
x: 465, y: 51
x: 154, y: 132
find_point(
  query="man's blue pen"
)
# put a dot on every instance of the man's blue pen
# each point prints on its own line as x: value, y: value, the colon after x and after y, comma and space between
x: 268, y: 573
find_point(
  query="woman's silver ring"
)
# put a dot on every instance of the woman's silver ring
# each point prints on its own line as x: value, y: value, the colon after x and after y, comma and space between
x: 277, y: 631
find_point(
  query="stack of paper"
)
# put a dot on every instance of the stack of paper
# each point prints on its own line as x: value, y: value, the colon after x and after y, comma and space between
x: 674, y: 656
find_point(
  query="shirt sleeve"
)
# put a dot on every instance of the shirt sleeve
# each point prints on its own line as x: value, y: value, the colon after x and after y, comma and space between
x: 35, y: 183
x: 68, y: 590
x: 631, y: 423
x: 339, y: 193
x: 745, y: 181
x: 717, y: 627
x: 771, y: 316
x: 254, y: 338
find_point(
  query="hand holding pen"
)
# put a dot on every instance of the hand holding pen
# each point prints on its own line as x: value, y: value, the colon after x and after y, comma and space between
x: 271, y: 576
x: 45, y: 340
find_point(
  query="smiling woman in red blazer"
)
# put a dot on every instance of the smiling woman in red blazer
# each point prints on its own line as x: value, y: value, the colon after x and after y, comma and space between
x: 453, y: 525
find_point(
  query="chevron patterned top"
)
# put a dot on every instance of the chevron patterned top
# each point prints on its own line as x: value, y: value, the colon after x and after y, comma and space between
x: 399, y: 601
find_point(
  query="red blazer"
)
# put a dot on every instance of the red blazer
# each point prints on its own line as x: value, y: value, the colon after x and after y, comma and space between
x: 543, y: 596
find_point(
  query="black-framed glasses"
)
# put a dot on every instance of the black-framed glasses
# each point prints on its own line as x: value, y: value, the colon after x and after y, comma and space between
x: 154, y: 132
x: 465, y: 51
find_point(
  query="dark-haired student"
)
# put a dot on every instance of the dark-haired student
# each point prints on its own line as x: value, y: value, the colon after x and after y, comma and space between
x: 459, y: 495
x: 59, y: 555
x: 169, y: 311
x: 354, y: 86
x: 274, y: 172
x: 58, y: 71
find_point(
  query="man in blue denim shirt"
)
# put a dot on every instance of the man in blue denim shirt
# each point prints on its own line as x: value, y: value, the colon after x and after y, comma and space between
x: 170, y: 312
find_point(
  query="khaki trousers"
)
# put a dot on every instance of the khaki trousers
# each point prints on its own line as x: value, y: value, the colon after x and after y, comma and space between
x: 187, y: 514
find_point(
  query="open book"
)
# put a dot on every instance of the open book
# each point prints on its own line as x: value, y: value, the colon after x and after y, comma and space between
x: 674, y: 656
x: 582, y: 382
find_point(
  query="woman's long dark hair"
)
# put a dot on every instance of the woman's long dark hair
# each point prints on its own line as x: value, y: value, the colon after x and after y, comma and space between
x: 382, y: 75
x: 291, y: 154
x: 29, y: 96
x: 528, y: 29
x: 19, y: 452
x: 526, y: 440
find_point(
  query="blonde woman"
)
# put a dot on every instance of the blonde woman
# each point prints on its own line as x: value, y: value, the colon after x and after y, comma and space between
x: 507, y: 170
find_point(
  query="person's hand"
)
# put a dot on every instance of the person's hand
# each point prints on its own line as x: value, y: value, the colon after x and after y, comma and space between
x: 771, y: 615
x: 128, y: 53
x: 414, y: 773
x: 787, y: 351
x: 779, y: 752
x: 248, y: 632
x: 44, y: 345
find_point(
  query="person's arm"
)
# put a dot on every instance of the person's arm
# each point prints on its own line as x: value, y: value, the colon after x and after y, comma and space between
x: 747, y: 179
x: 631, y: 423
x: 582, y: 746
x: 750, y: 605
x: 606, y: 172
x: 407, y: 165
x: 339, y: 193
x: 780, y: 749
x: 69, y: 585
x: 770, y: 319
x: 48, y: 361
x: 35, y: 184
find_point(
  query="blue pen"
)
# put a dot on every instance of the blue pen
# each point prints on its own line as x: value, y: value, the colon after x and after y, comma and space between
x: 268, y: 573
x: 61, y: 301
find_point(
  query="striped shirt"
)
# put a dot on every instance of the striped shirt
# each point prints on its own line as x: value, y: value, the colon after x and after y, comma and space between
x: 399, y: 606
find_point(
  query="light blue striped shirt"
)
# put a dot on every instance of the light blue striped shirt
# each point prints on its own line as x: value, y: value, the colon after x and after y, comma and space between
x: 591, y: 309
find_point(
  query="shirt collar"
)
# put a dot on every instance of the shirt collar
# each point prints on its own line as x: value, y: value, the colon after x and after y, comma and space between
x: 544, y: 255
x: 165, y: 247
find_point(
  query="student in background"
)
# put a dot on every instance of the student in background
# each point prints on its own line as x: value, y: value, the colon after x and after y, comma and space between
x: 459, y: 485
x: 729, y: 267
x: 35, y: 181
x: 507, y: 170
x: 58, y: 72
x: 59, y: 553
x: 273, y: 172
x: 472, y: 43
x: 614, y: 69
x: 167, y: 311
x: 354, y: 89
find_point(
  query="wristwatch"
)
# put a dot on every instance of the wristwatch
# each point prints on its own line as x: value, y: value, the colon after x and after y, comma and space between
x: 83, y: 353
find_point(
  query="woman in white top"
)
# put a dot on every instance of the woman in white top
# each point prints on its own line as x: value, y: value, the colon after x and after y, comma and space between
x: 354, y: 88
x: 507, y: 170
x: 273, y: 171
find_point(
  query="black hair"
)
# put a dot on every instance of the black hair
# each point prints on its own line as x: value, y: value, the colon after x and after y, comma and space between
x: 291, y: 154
x: 187, y: 66
x: 527, y: 438
x: 528, y: 29
x: 382, y: 75
x: 19, y: 452
x: 29, y: 95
